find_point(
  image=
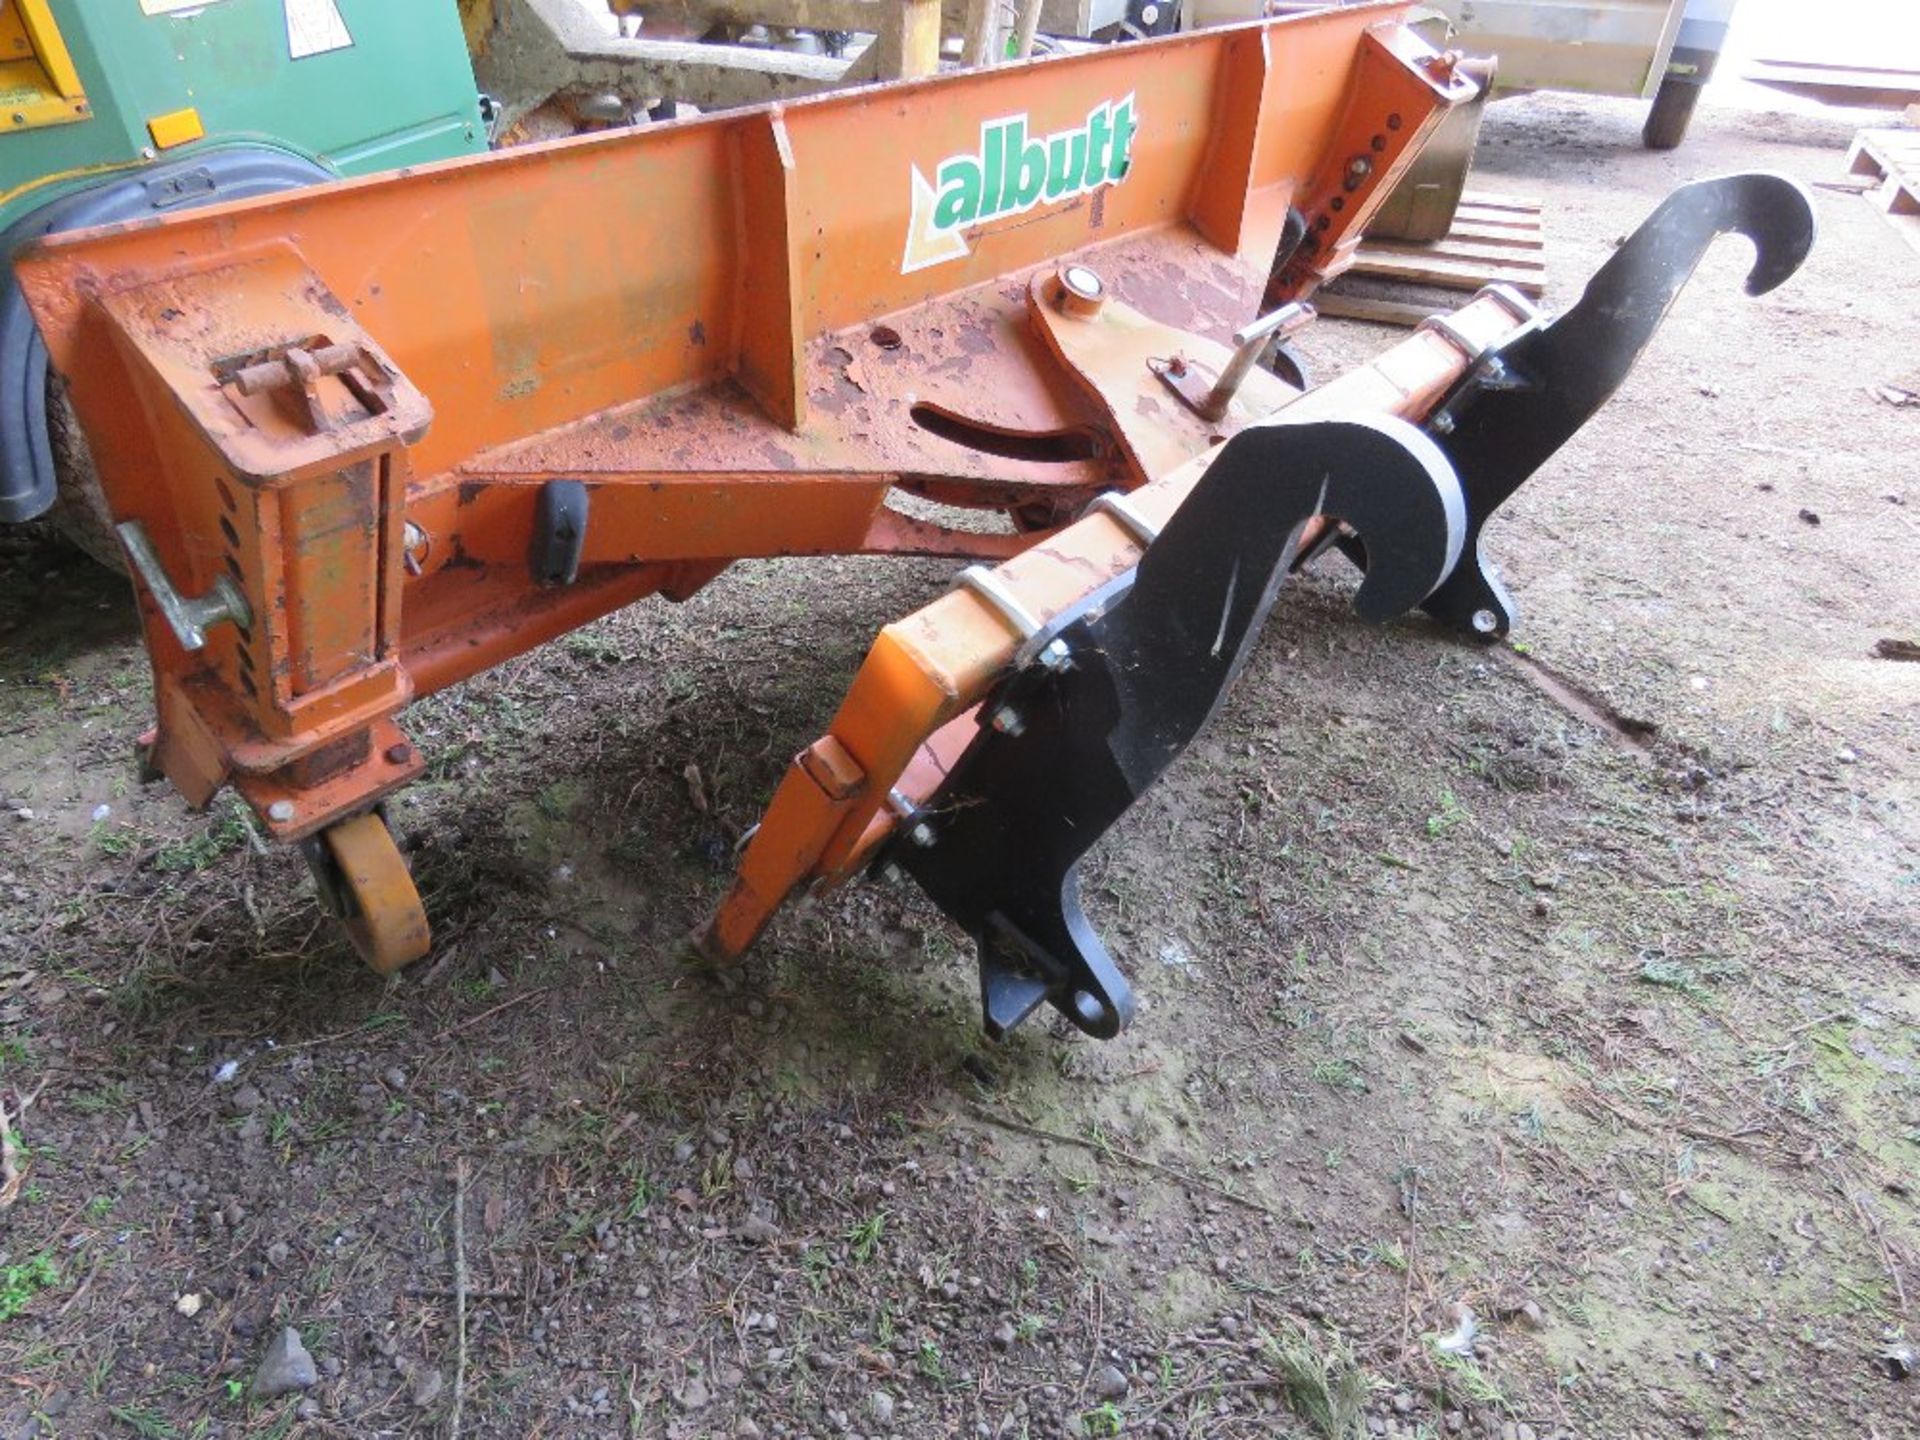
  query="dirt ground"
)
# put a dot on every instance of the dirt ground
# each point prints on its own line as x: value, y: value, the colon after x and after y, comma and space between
x: 1570, y: 985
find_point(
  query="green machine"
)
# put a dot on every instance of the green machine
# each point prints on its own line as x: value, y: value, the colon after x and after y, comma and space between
x: 114, y: 110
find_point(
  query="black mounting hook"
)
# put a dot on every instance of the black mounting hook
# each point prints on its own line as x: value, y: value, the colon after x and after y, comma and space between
x: 1521, y: 403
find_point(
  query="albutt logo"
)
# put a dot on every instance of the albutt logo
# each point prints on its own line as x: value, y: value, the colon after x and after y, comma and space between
x: 1011, y: 174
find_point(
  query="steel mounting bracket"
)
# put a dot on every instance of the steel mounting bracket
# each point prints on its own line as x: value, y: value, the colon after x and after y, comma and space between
x: 1113, y: 689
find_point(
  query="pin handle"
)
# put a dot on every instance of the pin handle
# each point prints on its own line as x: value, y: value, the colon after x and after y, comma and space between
x: 189, y: 617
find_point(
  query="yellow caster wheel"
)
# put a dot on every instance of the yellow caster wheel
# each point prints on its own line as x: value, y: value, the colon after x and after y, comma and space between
x: 363, y: 880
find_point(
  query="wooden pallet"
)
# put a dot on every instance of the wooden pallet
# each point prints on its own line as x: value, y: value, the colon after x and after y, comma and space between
x: 1891, y: 159
x: 1495, y: 239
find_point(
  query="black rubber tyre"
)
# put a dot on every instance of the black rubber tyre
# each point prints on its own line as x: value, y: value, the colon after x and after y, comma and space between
x: 1672, y: 112
x: 1287, y: 363
x: 80, y: 516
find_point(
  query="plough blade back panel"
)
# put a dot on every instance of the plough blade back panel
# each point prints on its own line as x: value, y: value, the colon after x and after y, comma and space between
x: 531, y: 288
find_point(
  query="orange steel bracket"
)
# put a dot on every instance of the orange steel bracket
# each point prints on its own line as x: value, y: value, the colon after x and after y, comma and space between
x: 277, y: 465
x: 771, y: 322
x: 1395, y: 72
x: 1113, y: 350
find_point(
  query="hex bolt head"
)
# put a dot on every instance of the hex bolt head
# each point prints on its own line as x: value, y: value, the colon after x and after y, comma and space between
x: 1008, y: 722
x: 922, y: 835
x: 1055, y: 656
x: 280, y: 811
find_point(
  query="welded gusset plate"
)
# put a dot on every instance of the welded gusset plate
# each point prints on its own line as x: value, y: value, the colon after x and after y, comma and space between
x: 1119, y: 686
x: 1520, y: 404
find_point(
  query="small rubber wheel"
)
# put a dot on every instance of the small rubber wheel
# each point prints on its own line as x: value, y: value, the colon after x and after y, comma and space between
x: 1672, y: 112
x: 363, y: 880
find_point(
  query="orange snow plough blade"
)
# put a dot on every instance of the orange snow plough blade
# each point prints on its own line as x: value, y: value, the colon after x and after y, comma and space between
x: 366, y: 440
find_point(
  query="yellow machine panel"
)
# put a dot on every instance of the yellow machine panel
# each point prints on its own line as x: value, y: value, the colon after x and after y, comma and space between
x: 38, y: 84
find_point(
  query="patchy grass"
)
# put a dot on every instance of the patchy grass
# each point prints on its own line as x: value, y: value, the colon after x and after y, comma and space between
x: 104, y: 1100
x: 226, y: 831
x: 14, y: 1054
x: 19, y: 1283
x: 1673, y: 975
x: 1450, y: 814
x: 145, y: 1421
x: 1321, y: 1378
x: 864, y: 1236
x: 1464, y: 1380
x: 1340, y: 1073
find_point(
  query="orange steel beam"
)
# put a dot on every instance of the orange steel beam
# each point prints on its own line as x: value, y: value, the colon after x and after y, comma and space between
x: 740, y: 333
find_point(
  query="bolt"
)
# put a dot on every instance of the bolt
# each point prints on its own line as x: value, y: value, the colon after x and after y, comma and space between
x: 1441, y: 423
x: 890, y: 873
x: 1055, y: 656
x: 1082, y: 291
x: 280, y: 811
x: 1485, y: 621
x: 1008, y: 722
x: 922, y: 835
x: 1083, y: 281
x: 400, y: 754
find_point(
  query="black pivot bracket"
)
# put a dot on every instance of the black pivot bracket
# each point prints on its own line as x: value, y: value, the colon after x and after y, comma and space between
x: 559, y: 532
x: 1519, y: 403
x: 1103, y: 699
